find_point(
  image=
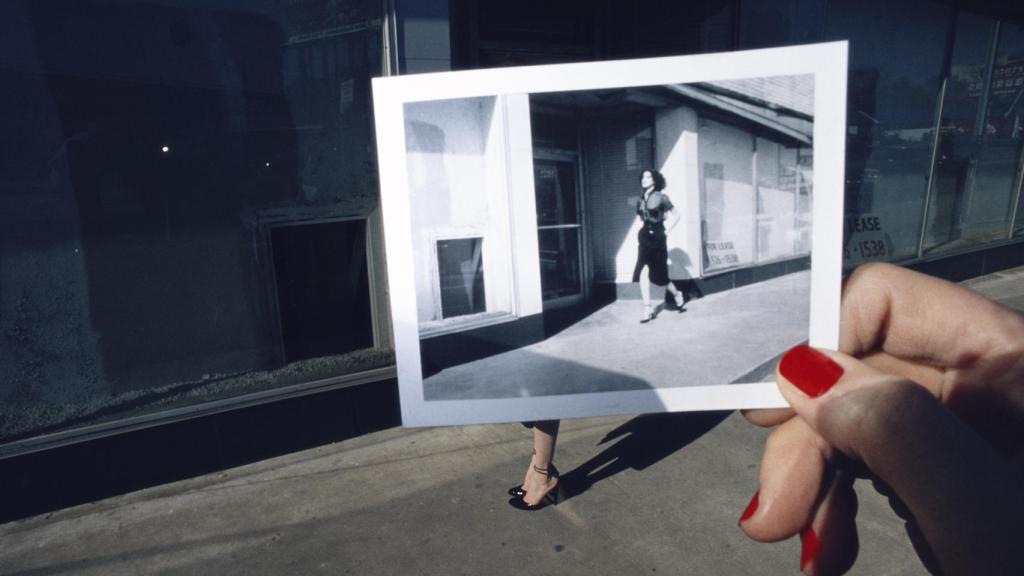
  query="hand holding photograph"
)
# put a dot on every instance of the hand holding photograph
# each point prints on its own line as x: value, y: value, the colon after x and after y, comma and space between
x: 611, y: 238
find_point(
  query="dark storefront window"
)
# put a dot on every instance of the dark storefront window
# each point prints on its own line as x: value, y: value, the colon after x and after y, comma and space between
x: 999, y: 158
x: 953, y: 70
x: 979, y: 150
x: 494, y: 34
x: 156, y: 162
x: 961, y: 134
x: 893, y: 86
x: 1008, y: 105
x: 667, y: 28
x: 323, y: 298
x: 488, y: 34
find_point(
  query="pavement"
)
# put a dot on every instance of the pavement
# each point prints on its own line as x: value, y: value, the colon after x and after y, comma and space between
x: 717, y: 340
x: 656, y: 494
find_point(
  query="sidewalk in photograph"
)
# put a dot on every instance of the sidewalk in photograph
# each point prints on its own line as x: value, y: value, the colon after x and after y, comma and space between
x: 719, y: 338
x: 664, y: 495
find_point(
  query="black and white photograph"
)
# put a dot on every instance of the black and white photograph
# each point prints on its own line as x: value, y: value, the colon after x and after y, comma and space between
x: 629, y: 248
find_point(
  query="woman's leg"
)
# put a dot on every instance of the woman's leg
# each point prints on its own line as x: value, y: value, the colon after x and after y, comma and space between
x: 677, y: 295
x: 539, y: 480
x: 645, y: 291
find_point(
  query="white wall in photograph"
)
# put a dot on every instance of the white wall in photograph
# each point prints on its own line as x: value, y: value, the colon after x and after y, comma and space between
x: 676, y: 149
x: 464, y: 190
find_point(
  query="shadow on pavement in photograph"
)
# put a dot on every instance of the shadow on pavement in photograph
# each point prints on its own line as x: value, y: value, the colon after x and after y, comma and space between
x: 642, y: 441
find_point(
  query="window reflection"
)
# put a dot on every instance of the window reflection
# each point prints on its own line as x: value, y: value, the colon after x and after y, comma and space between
x: 979, y: 151
x: 148, y: 152
x: 890, y: 122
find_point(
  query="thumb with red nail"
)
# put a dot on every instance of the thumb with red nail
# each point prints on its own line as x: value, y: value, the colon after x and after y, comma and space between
x: 926, y: 396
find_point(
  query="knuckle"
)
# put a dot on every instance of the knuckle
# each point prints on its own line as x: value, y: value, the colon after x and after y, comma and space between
x: 865, y: 306
x: 865, y: 420
x: 871, y: 273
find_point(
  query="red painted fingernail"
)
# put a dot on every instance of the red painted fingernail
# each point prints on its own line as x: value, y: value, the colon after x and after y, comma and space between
x: 809, y: 370
x: 751, y: 508
x: 811, y: 547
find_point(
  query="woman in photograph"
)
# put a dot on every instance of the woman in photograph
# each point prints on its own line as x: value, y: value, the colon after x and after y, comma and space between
x: 540, y: 485
x: 658, y: 217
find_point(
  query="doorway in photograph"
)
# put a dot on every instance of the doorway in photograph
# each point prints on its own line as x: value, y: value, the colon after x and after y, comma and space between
x: 559, y: 229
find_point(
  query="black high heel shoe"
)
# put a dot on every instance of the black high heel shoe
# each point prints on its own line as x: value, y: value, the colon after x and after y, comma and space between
x: 553, y: 497
x: 680, y: 300
x: 517, y: 490
x: 649, y: 315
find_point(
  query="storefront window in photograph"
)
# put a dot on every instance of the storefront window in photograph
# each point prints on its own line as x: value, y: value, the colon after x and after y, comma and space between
x: 756, y: 203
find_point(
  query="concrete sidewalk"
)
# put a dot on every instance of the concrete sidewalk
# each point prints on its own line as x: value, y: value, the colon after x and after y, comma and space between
x: 663, y: 496
x: 717, y: 340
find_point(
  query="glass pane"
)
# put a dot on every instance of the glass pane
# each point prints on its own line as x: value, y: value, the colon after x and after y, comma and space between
x: 967, y: 173
x: 998, y: 182
x: 556, y: 193
x: 778, y: 182
x: 804, y: 199
x: 559, y: 262
x: 322, y: 293
x: 151, y: 157
x: 728, y: 202
x: 557, y: 131
x: 669, y: 28
x: 461, y: 269
x: 891, y: 114
x: 1018, y: 229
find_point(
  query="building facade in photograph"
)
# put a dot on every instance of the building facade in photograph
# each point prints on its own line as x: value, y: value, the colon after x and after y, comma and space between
x: 190, y: 224
x: 525, y: 203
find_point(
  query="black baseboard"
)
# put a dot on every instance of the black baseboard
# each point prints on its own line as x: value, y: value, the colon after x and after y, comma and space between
x: 973, y: 264
x: 58, y: 478
x: 737, y: 278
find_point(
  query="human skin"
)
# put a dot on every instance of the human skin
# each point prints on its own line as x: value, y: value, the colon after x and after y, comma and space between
x: 537, y: 483
x: 926, y: 396
x: 672, y: 218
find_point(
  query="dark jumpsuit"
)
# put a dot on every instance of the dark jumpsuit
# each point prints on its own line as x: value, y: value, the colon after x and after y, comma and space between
x: 653, y: 251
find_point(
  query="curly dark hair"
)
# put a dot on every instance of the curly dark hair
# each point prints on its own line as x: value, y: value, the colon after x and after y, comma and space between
x: 659, y: 180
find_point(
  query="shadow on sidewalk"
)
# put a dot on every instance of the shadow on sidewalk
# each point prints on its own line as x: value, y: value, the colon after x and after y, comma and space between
x: 643, y: 441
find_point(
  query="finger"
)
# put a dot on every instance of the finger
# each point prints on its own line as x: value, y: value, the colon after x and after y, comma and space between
x: 829, y: 544
x: 920, y: 318
x: 767, y: 417
x: 962, y: 494
x: 930, y: 377
x: 790, y: 481
x: 966, y: 350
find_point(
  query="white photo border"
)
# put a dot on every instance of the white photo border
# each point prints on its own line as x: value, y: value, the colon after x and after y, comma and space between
x: 827, y: 62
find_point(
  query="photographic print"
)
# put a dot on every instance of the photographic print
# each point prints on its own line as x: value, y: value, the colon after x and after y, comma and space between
x: 610, y: 238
